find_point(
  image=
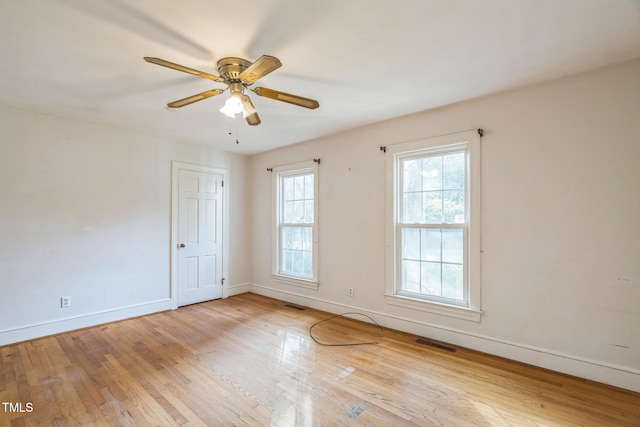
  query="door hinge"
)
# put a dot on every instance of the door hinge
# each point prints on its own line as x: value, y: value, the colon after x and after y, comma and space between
x: 222, y: 281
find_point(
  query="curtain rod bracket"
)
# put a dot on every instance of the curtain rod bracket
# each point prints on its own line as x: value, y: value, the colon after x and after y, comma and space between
x: 269, y: 169
x: 383, y: 148
x: 481, y: 132
x: 317, y: 161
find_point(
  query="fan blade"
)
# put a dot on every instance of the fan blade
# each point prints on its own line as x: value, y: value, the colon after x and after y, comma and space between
x: 184, y: 69
x: 263, y: 66
x: 194, y: 98
x: 287, y: 97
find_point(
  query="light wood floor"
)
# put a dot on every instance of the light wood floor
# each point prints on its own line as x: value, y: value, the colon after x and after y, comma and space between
x: 249, y: 360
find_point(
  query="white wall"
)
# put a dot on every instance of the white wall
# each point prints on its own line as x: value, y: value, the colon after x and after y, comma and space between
x: 560, y: 224
x: 85, y: 212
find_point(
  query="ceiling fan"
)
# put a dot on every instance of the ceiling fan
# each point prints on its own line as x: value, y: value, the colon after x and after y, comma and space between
x: 238, y: 74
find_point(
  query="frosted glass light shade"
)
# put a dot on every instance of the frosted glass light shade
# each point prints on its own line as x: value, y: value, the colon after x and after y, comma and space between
x: 247, y: 107
x: 233, y: 106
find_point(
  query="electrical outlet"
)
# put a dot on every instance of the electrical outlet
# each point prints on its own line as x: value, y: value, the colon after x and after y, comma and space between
x: 350, y: 292
x: 65, y: 302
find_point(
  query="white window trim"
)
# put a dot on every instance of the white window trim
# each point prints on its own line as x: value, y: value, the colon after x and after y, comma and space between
x: 471, y: 312
x: 294, y: 168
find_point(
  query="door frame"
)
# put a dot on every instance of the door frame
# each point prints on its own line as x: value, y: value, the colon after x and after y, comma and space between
x: 175, y: 168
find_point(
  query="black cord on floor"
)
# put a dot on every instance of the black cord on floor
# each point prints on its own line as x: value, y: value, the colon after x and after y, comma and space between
x: 342, y: 344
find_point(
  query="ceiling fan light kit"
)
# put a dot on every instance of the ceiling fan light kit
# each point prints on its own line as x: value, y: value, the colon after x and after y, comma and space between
x: 232, y: 106
x: 247, y: 106
x: 238, y: 74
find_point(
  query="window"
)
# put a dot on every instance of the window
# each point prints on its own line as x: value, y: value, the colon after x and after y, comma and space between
x: 295, y: 231
x: 433, y: 196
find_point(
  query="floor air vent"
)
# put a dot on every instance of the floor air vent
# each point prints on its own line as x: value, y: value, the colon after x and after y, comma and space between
x: 297, y: 307
x: 436, y: 345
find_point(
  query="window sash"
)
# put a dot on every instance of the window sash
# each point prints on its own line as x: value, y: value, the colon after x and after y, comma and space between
x: 430, y: 154
x: 402, y: 256
x: 296, y: 257
x: 297, y: 206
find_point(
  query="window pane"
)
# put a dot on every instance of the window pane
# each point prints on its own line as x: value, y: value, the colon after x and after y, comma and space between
x: 452, y: 281
x: 307, y: 263
x: 453, y: 171
x: 307, y: 238
x: 296, y: 238
x: 308, y: 187
x: 297, y: 262
x: 411, y: 243
x: 298, y: 211
x: 287, y: 192
x: 431, y: 281
x: 286, y: 260
x: 412, y: 174
x: 412, y: 208
x: 308, y: 211
x: 431, y: 244
x: 411, y: 275
x: 432, y: 173
x: 286, y: 237
x: 452, y: 245
x: 288, y: 209
x: 298, y: 187
x: 432, y: 207
x: 453, y: 206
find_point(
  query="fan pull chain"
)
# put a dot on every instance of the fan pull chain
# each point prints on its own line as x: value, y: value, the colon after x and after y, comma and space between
x: 230, y: 132
x: 237, y: 129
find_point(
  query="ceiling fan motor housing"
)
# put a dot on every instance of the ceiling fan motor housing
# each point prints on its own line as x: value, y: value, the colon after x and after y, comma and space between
x: 230, y: 68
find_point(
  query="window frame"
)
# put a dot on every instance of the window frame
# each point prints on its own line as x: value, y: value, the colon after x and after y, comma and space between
x: 285, y: 171
x: 468, y: 141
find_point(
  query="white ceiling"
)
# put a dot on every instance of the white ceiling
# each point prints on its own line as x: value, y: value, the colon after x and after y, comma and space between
x: 363, y: 60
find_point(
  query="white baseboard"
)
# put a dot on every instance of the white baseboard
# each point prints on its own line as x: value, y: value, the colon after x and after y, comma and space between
x: 238, y: 289
x: 30, y: 332
x: 603, y: 372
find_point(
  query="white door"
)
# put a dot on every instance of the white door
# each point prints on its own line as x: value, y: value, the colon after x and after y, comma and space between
x: 199, y: 237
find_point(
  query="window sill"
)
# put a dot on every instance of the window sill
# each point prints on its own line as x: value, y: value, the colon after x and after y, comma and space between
x: 435, y: 308
x: 309, y: 284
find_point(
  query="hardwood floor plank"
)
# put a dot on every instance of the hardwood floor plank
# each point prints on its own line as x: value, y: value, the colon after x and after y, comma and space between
x: 250, y: 361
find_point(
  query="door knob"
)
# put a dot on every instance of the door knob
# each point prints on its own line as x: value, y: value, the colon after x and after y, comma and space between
x: 182, y: 245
